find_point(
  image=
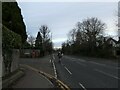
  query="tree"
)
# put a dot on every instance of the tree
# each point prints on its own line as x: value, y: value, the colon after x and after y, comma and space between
x: 13, y: 20
x: 45, y: 32
x: 31, y: 40
x: 84, y: 36
x: 39, y: 41
x: 71, y: 35
x: 26, y: 45
x: 91, y: 28
x: 46, y: 40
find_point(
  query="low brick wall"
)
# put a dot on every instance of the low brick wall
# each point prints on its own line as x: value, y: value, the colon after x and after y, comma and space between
x: 15, y: 56
x: 14, y: 64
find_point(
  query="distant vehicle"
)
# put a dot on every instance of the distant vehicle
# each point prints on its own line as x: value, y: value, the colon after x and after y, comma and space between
x: 27, y: 54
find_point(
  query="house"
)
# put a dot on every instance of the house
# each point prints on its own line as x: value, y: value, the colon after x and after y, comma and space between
x: 118, y: 48
x: 114, y: 45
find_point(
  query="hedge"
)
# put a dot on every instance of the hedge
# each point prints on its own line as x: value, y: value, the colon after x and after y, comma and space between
x: 10, y: 39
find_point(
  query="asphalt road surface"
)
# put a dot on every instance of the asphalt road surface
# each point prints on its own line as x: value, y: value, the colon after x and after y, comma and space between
x: 87, y: 73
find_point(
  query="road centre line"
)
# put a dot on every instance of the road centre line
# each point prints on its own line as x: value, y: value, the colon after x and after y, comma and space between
x: 113, y: 67
x: 106, y: 74
x: 68, y: 70
x: 81, y: 64
x: 82, y: 86
x: 97, y: 63
x: 117, y: 67
x: 104, y: 65
x: 74, y: 59
x: 81, y: 60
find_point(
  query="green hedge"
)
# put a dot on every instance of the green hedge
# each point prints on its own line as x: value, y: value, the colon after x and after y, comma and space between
x: 10, y: 39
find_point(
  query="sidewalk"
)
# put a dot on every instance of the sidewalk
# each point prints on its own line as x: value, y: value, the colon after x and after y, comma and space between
x: 32, y: 79
x: 39, y: 73
x: 43, y: 64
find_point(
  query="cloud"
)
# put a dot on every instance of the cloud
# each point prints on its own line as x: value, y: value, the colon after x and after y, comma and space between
x: 62, y: 17
x: 67, y: 0
x: 59, y: 40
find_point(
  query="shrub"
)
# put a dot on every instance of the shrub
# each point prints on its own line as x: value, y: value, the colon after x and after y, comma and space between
x: 10, y: 40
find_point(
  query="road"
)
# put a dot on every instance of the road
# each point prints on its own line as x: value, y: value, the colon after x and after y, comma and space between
x: 87, y: 72
x: 79, y: 72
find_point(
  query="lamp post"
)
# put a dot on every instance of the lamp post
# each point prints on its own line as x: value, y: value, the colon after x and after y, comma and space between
x: 119, y: 21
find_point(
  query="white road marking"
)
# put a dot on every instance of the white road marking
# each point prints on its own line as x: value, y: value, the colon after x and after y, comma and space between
x: 106, y: 74
x: 117, y: 67
x: 50, y: 60
x: 105, y: 65
x: 68, y: 70
x: 55, y: 71
x: 81, y: 60
x: 75, y: 59
x: 81, y: 64
x: 97, y: 63
x: 53, y: 57
x: 82, y: 86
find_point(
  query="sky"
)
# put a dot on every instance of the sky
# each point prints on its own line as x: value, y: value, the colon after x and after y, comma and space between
x: 61, y: 17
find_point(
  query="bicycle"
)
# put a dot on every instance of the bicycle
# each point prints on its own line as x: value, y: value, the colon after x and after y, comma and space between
x: 59, y: 60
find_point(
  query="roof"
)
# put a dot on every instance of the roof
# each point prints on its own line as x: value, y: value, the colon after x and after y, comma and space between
x: 111, y: 39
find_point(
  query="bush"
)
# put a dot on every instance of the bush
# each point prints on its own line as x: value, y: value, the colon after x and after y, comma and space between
x: 10, y: 40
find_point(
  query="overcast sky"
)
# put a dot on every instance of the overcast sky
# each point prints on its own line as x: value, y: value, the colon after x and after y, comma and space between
x: 61, y: 17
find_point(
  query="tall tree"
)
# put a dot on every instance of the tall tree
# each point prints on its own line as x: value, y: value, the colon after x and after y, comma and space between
x: 31, y: 40
x: 85, y: 35
x: 46, y: 39
x: 44, y: 30
x: 39, y: 41
x: 13, y: 20
x: 92, y: 29
x: 71, y: 35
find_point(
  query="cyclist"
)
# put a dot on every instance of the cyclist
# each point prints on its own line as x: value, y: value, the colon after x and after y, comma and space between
x: 60, y: 56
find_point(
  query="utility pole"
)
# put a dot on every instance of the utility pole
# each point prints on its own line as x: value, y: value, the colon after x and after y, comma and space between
x: 51, y: 37
x: 51, y: 43
x: 119, y: 21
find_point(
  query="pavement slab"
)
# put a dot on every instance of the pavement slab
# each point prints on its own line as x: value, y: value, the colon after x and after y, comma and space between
x: 32, y: 79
